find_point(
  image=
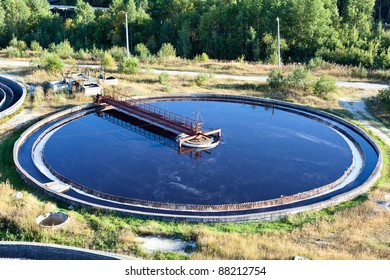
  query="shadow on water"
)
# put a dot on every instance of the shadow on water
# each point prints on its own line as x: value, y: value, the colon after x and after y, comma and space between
x: 149, y: 131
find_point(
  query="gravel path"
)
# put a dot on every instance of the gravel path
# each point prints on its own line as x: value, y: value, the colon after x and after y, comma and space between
x: 24, y: 117
x: 359, y: 110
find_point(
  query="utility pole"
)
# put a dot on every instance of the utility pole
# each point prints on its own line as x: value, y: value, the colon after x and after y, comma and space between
x: 277, y: 19
x: 127, y: 38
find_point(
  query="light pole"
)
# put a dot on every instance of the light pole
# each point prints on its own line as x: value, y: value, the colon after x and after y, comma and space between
x: 127, y: 38
x: 277, y: 19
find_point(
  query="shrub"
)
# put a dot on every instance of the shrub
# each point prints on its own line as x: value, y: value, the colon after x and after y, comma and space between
x: 22, y: 46
x: 95, y: 52
x: 383, y: 59
x: 241, y: 59
x: 384, y: 96
x: 276, y: 80
x: 316, y: 62
x: 382, y: 74
x: 202, y: 79
x: 324, y: 86
x: 163, y: 78
x: 298, y: 78
x: 142, y: 51
x: 18, y: 44
x: 118, y: 53
x: 35, y: 46
x: 107, y: 61
x: 51, y: 62
x: 82, y: 54
x: 12, y: 52
x: 359, y: 72
x: 13, y: 42
x: 63, y: 50
x: 167, y: 51
x: 38, y: 95
x: 202, y: 57
x: 129, y: 65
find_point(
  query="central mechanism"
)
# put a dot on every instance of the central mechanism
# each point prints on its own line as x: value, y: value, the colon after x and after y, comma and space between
x: 190, y: 130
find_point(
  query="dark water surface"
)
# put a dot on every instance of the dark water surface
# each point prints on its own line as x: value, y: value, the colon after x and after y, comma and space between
x: 264, y: 154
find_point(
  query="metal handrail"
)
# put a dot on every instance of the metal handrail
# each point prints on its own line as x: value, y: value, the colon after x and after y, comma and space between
x: 151, y: 109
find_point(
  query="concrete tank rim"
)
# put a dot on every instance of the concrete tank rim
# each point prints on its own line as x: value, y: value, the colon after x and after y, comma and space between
x: 19, y: 102
x: 63, y: 248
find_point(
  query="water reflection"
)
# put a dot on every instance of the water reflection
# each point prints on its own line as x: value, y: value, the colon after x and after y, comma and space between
x: 260, y: 157
x: 149, y: 131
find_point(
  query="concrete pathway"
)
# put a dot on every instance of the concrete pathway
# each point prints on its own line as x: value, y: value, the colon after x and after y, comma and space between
x: 263, y: 79
x: 359, y: 110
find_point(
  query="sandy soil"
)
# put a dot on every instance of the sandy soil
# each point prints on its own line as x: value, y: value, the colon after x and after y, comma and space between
x: 358, y: 108
x: 156, y: 243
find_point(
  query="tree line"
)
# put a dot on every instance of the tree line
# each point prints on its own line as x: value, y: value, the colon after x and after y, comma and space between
x: 348, y: 32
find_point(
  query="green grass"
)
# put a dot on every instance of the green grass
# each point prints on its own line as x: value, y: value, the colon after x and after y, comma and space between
x: 7, y: 167
x: 7, y: 118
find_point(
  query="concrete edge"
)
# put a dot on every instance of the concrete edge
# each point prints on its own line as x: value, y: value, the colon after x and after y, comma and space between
x: 3, y: 97
x: 45, y: 251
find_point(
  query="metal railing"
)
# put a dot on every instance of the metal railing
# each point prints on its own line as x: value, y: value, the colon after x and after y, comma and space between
x: 163, y: 114
x: 139, y: 130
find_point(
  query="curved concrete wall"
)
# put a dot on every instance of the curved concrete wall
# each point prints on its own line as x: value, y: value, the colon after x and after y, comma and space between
x: 41, y: 251
x: 19, y: 95
x: 264, y: 216
x: 9, y: 96
x: 3, y: 98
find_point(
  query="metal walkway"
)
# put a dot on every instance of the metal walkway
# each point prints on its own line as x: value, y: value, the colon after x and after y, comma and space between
x: 153, y: 114
x: 167, y: 120
x: 150, y: 132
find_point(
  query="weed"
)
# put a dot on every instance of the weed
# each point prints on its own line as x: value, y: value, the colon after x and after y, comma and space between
x: 163, y: 78
x: 202, y: 80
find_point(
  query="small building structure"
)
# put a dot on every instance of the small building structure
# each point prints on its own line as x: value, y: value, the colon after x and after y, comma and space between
x: 80, y: 82
x: 108, y: 81
x: 59, y: 85
x: 91, y: 89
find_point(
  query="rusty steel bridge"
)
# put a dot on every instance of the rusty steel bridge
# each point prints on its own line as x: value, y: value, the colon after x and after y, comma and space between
x: 158, y: 116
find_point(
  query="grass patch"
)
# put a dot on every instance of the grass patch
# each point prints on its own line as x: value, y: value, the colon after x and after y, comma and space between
x: 7, y: 118
x: 7, y: 167
x: 379, y: 110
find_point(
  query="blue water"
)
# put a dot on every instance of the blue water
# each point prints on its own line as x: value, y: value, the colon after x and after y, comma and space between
x: 265, y: 153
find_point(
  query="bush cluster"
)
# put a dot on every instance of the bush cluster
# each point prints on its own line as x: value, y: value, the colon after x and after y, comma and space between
x: 299, y: 79
x: 384, y: 96
x: 52, y: 62
x: 167, y: 51
x: 129, y: 65
x: 163, y: 78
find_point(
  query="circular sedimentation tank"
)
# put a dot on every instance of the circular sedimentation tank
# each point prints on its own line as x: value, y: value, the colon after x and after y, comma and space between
x: 274, y: 158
